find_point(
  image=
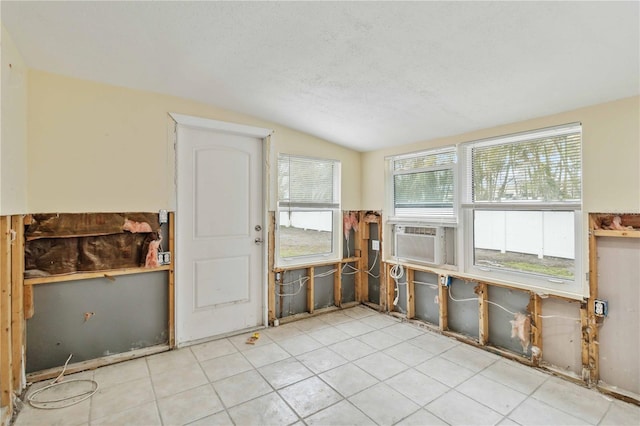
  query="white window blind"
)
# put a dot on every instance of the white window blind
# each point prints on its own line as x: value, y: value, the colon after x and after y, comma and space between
x: 307, y: 182
x: 423, y: 184
x: 541, y: 167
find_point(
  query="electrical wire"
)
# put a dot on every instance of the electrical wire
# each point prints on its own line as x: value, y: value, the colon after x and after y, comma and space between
x: 375, y: 260
x: 475, y: 299
x: 434, y: 286
x: 559, y: 316
x: 58, y: 382
x: 396, y: 272
x: 301, y: 281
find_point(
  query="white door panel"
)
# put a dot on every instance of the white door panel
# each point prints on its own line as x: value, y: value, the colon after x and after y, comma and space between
x: 219, y: 283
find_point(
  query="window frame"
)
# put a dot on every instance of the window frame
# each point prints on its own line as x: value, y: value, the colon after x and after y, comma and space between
x: 297, y: 206
x: 545, y: 284
x: 434, y: 219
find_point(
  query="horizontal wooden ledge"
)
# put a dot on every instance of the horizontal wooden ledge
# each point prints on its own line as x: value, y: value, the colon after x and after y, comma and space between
x: 316, y: 265
x: 629, y: 233
x: 110, y: 274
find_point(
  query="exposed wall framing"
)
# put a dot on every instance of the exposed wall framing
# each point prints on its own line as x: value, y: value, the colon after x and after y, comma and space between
x: 19, y: 294
x: 613, y: 341
x: 561, y: 335
x: 324, y: 290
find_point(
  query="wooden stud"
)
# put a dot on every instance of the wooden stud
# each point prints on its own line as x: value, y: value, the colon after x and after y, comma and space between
x: 586, y: 337
x: 17, y: 303
x: 310, y: 290
x: 535, y: 308
x: 483, y: 313
x: 337, y: 285
x: 411, y: 301
x: 172, y: 281
x: 6, y: 364
x: 28, y: 302
x: 387, y: 289
x: 442, y: 298
x: 364, y: 259
x: 271, y: 287
x: 594, y: 354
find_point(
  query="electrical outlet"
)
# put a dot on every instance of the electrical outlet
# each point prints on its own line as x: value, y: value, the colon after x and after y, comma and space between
x: 164, y: 257
x: 163, y: 216
x: 601, y: 308
x: 375, y: 245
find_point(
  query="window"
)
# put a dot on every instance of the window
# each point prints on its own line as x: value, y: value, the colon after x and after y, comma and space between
x: 422, y: 185
x: 522, y: 206
x: 308, y: 209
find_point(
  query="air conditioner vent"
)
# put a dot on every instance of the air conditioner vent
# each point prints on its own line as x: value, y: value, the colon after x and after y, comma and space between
x: 420, y: 230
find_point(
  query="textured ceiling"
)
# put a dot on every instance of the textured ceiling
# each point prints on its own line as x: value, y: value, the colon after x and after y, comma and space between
x: 365, y: 75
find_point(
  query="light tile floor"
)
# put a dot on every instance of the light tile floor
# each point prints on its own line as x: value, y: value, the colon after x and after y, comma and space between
x: 351, y: 367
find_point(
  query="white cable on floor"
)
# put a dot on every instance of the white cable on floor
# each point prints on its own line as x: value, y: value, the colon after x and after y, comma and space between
x: 57, y: 382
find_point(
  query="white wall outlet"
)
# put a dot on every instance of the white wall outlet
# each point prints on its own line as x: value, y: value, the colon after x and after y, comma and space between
x: 163, y: 216
x: 375, y: 245
x: 164, y: 257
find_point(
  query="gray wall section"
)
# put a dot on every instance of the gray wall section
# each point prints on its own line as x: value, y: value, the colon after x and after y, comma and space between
x: 348, y: 284
x: 499, y: 319
x: 401, y: 306
x: 294, y: 298
x: 427, y: 305
x: 374, y: 257
x: 323, y: 288
x: 130, y: 313
x: 562, y: 335
x: 463, y: 316
x: 619, y: 284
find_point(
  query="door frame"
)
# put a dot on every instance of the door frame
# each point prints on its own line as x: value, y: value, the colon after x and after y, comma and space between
x: 266, y: 136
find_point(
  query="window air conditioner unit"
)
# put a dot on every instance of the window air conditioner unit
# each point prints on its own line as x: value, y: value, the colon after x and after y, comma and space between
x: 421, y: 244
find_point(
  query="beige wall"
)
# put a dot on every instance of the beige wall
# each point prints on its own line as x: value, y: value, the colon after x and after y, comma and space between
x: 611, y: 155
x: 13, y: 138
x: 94, y: 147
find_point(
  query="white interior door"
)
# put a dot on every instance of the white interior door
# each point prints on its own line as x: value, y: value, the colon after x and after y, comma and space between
x: 219, y: 256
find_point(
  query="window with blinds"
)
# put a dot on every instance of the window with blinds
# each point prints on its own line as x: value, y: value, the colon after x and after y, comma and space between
x: 308, y: 209
x: 541, y: 167
x: 424, y: 184
x: 521, y: 201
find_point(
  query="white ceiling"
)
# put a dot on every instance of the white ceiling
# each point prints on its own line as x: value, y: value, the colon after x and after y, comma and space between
x: 365, y: 75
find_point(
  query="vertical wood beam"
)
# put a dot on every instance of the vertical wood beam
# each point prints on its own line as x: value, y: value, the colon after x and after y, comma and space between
x: 594, y: 347
x: 442, y: 298
x: 483, y: 312
x: 337, y: 286
x: 28, y: 302
x: 384, y: 272
x: 17, y: 303
x: 6, y: 380
x: 172, y: 281
x: 411, y: 301
x: 310, y: 290
x: 271, y: 286
x: 535, y: 308
x: 364, y: 259
x: 387, y: 288
x: 357, y: 244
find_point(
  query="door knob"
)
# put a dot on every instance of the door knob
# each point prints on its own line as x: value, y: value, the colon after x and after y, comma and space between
x: 258, y: 240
